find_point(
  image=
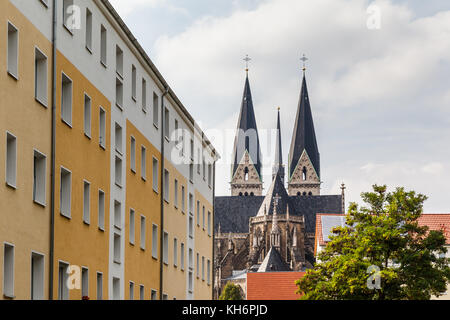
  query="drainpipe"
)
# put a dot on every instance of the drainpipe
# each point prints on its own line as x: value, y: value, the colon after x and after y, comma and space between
x: 161, y: 262
x: 53, y: 162
x: 213, y: 272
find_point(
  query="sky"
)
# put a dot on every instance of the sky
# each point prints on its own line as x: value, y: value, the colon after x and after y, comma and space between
x: 378, y: 78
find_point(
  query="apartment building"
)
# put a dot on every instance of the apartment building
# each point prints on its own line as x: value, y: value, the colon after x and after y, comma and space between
x: 109, y: 182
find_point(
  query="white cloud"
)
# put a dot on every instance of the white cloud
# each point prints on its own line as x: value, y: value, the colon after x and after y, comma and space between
x: 387, y: 77
x: 125, y: 7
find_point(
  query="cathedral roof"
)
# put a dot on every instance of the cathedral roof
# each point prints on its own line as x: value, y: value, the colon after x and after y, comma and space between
x: 247, y: 138
x: 273, y: 262
x: 304, y: 136
x: 234, y: 212
x: 276, y: 189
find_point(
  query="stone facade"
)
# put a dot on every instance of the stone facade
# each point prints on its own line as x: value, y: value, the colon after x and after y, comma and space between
x: 304, y: 181
x: 246, y: 180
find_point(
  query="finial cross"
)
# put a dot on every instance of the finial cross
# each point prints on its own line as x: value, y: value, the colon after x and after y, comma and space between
x: 304, y: 59
x: 247, y: 59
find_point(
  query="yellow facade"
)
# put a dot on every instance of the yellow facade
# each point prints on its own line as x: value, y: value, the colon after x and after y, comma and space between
x: 141, y: 267
x: 204, y: 247
x: 23, y: 223
x: 26, y: 224
x: 76, y: 242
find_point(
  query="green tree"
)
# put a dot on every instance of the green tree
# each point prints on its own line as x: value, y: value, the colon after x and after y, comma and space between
x: 380, y: 243
x: 231, y: 291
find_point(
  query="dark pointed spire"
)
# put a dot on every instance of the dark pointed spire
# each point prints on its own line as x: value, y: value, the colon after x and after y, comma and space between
x: 278, y: 164
x: 304, y: 136
x: 247, y: 139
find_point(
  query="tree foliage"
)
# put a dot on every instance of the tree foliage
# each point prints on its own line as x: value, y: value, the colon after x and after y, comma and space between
x: 231, y: 291
x: 409, y: 259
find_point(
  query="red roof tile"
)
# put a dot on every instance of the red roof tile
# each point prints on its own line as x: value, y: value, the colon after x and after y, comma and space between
x: 437, y: 222
x: 272, y: 285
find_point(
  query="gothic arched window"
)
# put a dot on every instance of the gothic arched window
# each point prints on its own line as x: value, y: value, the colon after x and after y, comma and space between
x: 246, y: 194
x: 246, y: 174
x: 251, y: 194
x: 310, y: 193
x: 240, y: 194
x: 304, y: 174
x: 299, y: 193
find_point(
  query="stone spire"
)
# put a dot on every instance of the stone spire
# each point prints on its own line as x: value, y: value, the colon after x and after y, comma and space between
x: 246, y: 159
x: 275, y: 233
x: 278, y: 167
x: 304, y: 157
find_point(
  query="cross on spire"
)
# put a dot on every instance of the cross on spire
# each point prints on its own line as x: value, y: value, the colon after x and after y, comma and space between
x: 304, y: 59
x: 247, y: 59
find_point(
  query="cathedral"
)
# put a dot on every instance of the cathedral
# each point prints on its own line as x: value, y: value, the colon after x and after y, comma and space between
x: 275, y: 231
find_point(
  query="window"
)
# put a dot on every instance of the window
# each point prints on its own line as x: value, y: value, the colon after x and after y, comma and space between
x: 68, y: 15
x: 102, y: 128
x: 39, y: 170
x: 144, y: 95
x: 133, y: 82
x: 118, y: 177
x: 11, y: 160
x: 143, y: 163
x: 208, y: 272
x: 191, y: 227
x: 166, y: 185
x: 99, y: 286
x: 192, y: 150
x: 133, y: 154
x: 37, y: 276
x: 89, y: 30
x: 141, y: 292
x: 176, y: 133
x: 119, y: 62
x: 103, y: 43
x: 191, y: 204
x: 8, y: 271
x: 65, y: 192
x: 84, y: 282
x: 153, y: 295
x: 166, y: 123
x: 166, y: 248
x: 203, y: 268
x: 143, y: 227
x: 175, y: 194
x: 209, y: 223
x: 13, y: 51
x: 209, y: 175
x: 155, y: 110
x: 101, y: 210
x: 198, y: 213
x: 131, y: 290
x: 183, y: 204
x: 191, y: 259
x: 203, y: 217
x: 191, y: 172
x: 132, y: 226
x: 66, y: 100
x: 198, y: 265
x: 87, y: 203
x: 175, y: 252
x: 190, y: 283
x: 119, y: 93
x: 118, y: 136
x: 116, y: 288
x: 116, y: 248
x: 87, y: 115
x: 198, y: 161
x: 155, y: 241
x: 40, y: 77
x: 155, y: 174
x: 117, y: 214
x: 182, y: 256
x: 63, y: 290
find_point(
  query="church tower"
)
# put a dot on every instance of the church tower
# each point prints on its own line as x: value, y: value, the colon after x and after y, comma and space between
x: 304, y: 157
x: 246, y: 175
x: 278, y: 167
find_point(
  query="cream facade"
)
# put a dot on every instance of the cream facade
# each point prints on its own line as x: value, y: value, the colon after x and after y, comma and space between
x: 121, y: 162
